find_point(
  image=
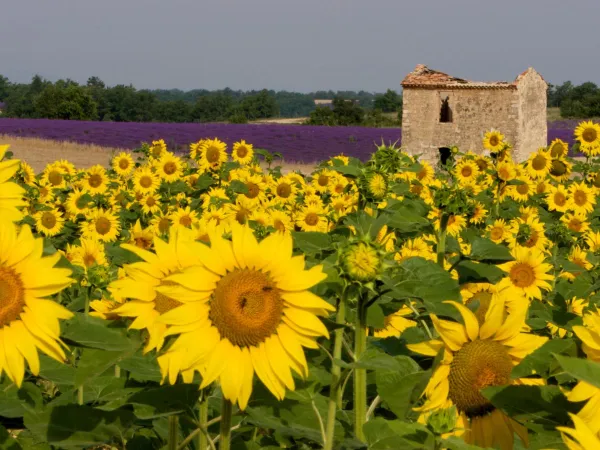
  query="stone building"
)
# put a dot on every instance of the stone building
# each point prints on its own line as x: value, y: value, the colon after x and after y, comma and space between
x: 440, y: 111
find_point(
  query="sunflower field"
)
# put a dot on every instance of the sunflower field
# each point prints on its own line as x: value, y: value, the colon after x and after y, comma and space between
x: 208, y: 301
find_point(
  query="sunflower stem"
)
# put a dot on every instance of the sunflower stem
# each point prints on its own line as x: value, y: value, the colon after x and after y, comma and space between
x: 117, y: 371
x: 336, y: 371
x: 360, y: 374
x: 203, y: 420
x: 80, y: 395
x: 173, y: 432
x: 225, y: 436
x: 441, y: 241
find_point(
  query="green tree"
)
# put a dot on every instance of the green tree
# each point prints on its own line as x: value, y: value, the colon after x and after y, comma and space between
x: 388, y: 102
x: 178, y: 111
x: 65, y: 100
x: 259, y: 106
x: 212, y: 108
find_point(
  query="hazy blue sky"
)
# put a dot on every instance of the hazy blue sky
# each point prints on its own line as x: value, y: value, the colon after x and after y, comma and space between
x: 300, y: 45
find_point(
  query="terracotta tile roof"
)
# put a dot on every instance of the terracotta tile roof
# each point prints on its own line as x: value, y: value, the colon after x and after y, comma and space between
x: 427, y: 78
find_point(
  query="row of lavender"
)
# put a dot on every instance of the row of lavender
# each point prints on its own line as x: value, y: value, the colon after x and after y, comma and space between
x: 296, y: 143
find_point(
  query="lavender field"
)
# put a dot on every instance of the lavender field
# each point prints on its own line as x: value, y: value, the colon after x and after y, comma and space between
x: 296, y: 143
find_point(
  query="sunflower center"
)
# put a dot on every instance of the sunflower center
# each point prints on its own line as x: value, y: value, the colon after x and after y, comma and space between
x: 89, y: 260
x: 123, y: 164
x: 557, y: 150
x: 523, y: 188
x: 596, y: 180
x: 48, y: 220
x: 494, y: 140
x: 170, y: 168
x: 477, y: 365
x: 186, y: 220
x: 246, y: 307
x: 279, y: 225
x: 466, y: 171
x: 95, y: 180
x: 539, y: 162
x: 212, y: 155
x: 55, y: 178
x: 560, y: 199
x: 323, y: 180
x: 541, y: 188
x: 558, y: 168
x: 145, y: 181
x: 482, y: 164
x: 504, y: 173
x: 150, y: 201
x: 496, y: 233
x: 253, y: 190
x: 421, y: 174
x: 12, y: 296
x: 416, y: 189
x: 242, y: 151
x: 522, y: 275
x: 580, y: 198
x: 142, y: 242
x: 311, y: 219
x: 102, y: 225
x: 575, y: 224
x: 162, y: 303
x: 284, y: 190
x: 163, y: 225
x: 589, y: 135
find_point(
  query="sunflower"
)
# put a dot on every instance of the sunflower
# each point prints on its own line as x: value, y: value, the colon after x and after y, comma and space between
x: 184, y: 217
x: 95, y: 180
x: 580, y: 437
x: 395, y: 324
x: 589, y: 334
x: 539, y: 163
x: 561, y: 170
x: 145, y: 181
x: 493, y: 141
x: 499, y: 231
x: 54, y: 175
x: 574, y: 306
x: 101, y: 224
x: 77, y: 202
x: 11, y: 194
x: 528, y: 233
x: 592, y: 239
x: 581, y: 198
x: 322, y: 179
x: 255, y: 187
x: 426, y: 173
x: 89, y: 253
x: 217, y: 216
x: 169, y: 167
x: 257, y: 318
x: 243, y: 152
x: 122, y: 164
x: 506, y: 171
x: 49, y: 222
x: 577, y: 222
x: 588, y: 135
x: 456, y: 222
x: 541, y: 186
x: 377, y: 185
x: 284, y: 190
x: 478, y: 355
x: 157, y: 149
x: 281, y: 221
x: 161, y: 223
x: 213, y: 154
x: 26, y: 173
x: 338, y: 184
x: 311, y: 218
x: 466, y: 171
x: 557, y: 198
x: 141, y: 237
x: 28, y: 322
x: 150, y: 203
x: 215, y: 196
x: 522, y: 191
x: 479, y: 213
x: 528, y: 274
x: 558, y: 148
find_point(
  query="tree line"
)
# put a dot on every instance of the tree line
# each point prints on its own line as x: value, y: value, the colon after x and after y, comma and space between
x: 94, y: 100
x: 575, y: 101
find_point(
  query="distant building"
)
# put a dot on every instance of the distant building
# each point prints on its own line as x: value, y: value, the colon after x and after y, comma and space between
x: 440, y: 111
x: 324, y: 103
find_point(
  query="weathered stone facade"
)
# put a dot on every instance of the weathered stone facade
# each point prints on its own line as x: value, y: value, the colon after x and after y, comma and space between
x: 440, y: 111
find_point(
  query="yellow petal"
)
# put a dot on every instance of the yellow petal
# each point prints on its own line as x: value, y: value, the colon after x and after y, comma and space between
x: 494, y: 317
x: 428, y: 348
x: 471, y: 324
x: 453, y: 334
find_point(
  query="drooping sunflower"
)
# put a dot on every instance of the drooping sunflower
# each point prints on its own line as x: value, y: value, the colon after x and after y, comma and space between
x: 561, y: 170
x: 539, y: 163
x: 213, y: 154
x: 101, y: 224
x: 26, y: 173
x: 243, y: 152
x: 95, y: 180
x: 28, y: 321
x: 478, y: 355
x: 123, y: 164
x: 592, y: 239
x: 506, y: 171
x: 11, y: 194
x: 581, y: 198
x: 157, y: 149
x: 558, y: 148
x: 145, y: 181
x: 493, y: 141
x: 256, y: 319
x: 49, y: 222
x: 158, y: 284
x: 588, y: 135
x: 589, y: 334
x: 528, y: 274
x: 557, y: 198
x: 169, y: 167
x: 395, y: 324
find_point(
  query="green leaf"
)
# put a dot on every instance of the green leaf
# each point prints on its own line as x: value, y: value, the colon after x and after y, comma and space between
x: 142, y: 367
x: 94, y: 332
x: 540, y: 362
x: 475, y: 272
x: 485, y: 250
x: 238, y: 187
x: 406, y: 221
x: 94, y: 362
x: 164, y: 400
x: 375, y: 317
x: 374, y: 359
x: 15, y: 402
x: 59, y: 373
x: 456, y: 443
x: 311, y: 241
x: 204, y: 181
x: 349, y: 170
x: 384, y: 434
x: 78, y: 426
x: 7, y: 442
x: 582, y: 369
x: 399, y: 388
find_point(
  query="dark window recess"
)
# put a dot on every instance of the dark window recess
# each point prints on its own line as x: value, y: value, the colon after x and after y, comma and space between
x: 445, y: 111
x: 445, y: 153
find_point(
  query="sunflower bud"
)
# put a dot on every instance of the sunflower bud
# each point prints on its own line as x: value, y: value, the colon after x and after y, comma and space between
x: 362, y: 262
x: 442, y: 421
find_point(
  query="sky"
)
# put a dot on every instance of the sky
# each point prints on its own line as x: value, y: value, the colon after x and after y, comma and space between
x: 296, y: 45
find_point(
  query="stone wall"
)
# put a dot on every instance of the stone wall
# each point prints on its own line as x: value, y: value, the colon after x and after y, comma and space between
x: 533, y: 125
x: 474, y: 111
